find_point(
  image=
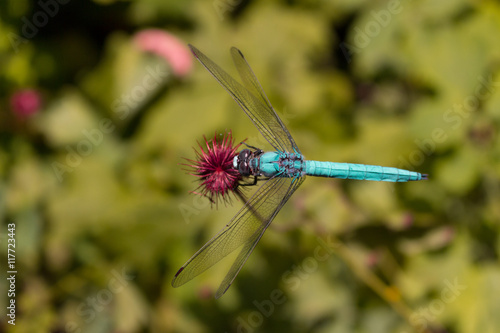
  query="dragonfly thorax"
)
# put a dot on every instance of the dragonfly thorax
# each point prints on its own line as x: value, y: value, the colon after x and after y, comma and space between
x: 281, y: 164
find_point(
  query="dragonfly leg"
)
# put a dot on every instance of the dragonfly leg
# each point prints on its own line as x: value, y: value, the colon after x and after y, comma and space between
x: 258, y: 150
x: 255, y: 179
x: 250, y: 184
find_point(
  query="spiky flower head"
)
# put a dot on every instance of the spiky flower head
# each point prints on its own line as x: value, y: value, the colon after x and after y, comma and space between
x: 214, y: 168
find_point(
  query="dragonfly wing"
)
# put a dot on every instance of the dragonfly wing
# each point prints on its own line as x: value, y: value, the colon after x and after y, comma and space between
x: 257, y: 108
x: 250, y: 244
x: 268, y: 114
x: 244, y: 230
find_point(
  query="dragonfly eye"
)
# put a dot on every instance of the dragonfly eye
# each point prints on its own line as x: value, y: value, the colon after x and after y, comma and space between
x: 243, y: 168
x: 243, y: 159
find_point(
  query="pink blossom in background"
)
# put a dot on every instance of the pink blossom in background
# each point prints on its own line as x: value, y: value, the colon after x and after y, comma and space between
x: 26, y: 102
x: 166, y: 45
x: 372, y: 259
x: 408, y: 220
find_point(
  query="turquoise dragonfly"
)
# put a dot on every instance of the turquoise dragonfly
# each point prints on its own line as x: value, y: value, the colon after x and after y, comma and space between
x: 282, y: 171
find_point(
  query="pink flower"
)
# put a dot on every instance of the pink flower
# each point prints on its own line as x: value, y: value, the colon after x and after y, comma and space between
x: 372, y: 259
x: 214, y: 168
x: 24, y: 103
x: 166, y: 45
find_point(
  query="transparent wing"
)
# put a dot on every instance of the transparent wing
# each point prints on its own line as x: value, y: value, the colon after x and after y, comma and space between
x: 252, y: 99
x: 243, y: 231
x: 267, y: 113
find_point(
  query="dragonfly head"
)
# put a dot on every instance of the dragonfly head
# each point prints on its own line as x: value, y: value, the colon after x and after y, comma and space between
x: 241, y: 162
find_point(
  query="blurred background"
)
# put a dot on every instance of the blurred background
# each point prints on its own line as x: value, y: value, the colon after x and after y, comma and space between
x: 101, y: 100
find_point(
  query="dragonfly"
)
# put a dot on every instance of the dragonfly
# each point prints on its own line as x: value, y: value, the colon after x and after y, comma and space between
x: 282, y: 172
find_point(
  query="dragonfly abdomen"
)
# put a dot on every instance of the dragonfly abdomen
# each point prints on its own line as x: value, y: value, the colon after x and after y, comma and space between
x: 360, y: 172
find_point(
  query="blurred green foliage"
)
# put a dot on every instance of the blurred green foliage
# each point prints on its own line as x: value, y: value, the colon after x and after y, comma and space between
x: 102, y: 207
